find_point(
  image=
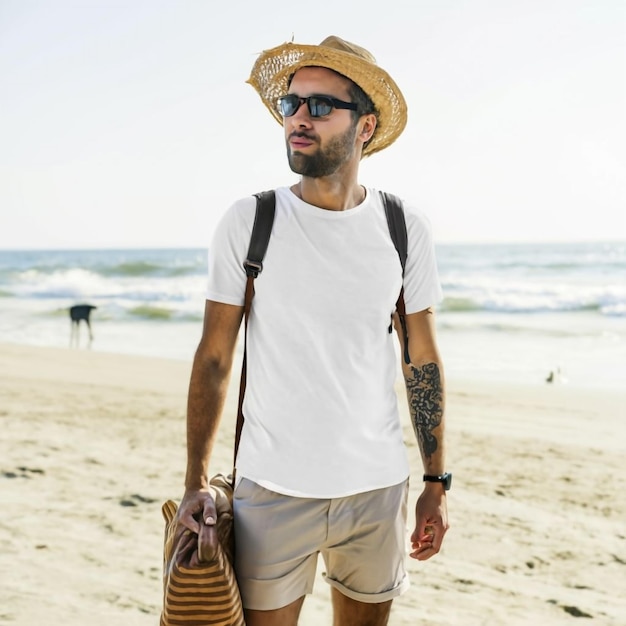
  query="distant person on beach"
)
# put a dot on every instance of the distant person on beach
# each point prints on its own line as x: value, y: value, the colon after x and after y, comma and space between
x: 322, y: 466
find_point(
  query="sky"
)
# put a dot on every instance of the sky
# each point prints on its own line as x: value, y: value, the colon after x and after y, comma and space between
x: 130, y: 124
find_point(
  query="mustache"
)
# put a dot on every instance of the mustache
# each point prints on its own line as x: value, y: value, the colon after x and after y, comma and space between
x: 302, y: 135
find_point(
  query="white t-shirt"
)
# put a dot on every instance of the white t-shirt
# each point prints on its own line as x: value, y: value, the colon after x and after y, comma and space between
x: 321, y: 415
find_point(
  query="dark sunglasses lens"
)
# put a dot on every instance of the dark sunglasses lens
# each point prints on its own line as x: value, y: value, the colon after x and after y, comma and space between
x: 320, y: 106
x: 288, y: 105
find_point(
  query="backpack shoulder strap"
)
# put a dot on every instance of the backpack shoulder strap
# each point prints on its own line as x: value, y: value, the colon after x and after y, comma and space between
x: 397, y: 229
x: 261, y: 230
x: 397, y: 224
x: 259, y: 240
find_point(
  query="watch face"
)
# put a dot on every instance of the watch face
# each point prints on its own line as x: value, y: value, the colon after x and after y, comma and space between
x: 447, y: 481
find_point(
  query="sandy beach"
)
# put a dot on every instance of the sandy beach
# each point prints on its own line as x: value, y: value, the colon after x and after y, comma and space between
x: 93, y: 443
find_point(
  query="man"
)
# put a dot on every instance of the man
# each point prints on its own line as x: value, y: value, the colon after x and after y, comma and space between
x: 322, y: 467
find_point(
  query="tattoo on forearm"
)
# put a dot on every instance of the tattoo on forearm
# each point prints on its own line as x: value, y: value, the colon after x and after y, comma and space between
x: 425, y: 395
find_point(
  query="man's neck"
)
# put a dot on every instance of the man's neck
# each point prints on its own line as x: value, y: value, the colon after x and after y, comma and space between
x: 327, y: 193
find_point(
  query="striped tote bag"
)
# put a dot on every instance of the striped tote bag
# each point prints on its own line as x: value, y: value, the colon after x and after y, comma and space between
x: 199, y: 584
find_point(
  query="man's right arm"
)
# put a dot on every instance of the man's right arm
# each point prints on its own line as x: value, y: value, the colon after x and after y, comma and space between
x: 208, y: 386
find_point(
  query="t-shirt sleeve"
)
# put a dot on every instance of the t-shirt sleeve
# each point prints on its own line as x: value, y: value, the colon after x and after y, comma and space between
x: 227, y: 253
x: 422, y: 288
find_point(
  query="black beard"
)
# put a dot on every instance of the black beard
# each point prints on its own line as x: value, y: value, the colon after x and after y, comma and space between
x: 325, y: 161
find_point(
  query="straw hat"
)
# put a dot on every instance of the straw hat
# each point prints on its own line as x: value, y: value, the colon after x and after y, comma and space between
x: 271, y: 72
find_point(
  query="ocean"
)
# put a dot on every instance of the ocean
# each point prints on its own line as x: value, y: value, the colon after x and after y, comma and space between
x: 510, y: 312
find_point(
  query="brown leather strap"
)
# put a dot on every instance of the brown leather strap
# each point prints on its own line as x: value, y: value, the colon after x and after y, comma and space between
x: 259, y: 240
x: 242, y: 383
x: 400, y: 308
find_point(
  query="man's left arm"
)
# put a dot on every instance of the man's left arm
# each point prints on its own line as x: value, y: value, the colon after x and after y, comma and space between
x: 425, y: 389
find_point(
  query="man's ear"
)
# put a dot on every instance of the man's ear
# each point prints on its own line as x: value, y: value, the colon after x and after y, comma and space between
x: 368, y: 126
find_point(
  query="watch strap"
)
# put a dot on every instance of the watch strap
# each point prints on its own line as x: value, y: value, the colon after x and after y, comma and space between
x: 445, y: 479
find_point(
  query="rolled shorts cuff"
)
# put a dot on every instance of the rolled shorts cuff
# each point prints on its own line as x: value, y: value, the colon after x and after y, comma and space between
x: 370, y: 598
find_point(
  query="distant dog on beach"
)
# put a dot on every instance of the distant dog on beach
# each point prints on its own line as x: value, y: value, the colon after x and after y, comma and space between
x: 78, y: 313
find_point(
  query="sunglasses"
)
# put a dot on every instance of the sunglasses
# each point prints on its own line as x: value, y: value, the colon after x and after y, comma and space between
x: 319, y: 106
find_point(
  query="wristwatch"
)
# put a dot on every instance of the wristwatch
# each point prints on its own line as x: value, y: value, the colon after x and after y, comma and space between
x: 444, y: 479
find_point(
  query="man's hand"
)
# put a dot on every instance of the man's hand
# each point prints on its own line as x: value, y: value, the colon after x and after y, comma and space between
x: 197, y: 504
x: 431, y: 522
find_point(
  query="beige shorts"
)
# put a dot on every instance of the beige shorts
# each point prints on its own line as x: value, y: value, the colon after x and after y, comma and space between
x: 362, y: 539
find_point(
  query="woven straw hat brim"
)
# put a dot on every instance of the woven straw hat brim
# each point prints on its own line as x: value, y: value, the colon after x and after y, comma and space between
x: 271, y: 71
